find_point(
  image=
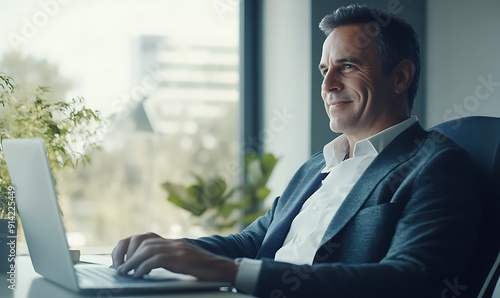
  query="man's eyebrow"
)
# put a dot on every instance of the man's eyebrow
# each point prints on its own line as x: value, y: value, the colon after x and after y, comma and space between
x: 348, y: 59
x: 322, y: 66
x: 354, y: 60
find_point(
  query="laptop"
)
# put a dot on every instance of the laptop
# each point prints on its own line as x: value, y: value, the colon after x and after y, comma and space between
x: 39, y: 211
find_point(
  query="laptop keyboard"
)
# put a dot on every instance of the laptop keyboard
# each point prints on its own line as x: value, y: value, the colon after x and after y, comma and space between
x: 103, y: 275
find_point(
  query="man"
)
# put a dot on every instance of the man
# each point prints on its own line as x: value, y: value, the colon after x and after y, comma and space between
x: 386, y: 210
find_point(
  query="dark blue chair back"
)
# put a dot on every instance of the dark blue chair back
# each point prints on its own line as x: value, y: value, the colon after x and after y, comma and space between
x: 480, y: 137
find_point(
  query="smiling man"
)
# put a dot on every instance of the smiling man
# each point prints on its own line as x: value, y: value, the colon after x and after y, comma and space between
x: 360, y: 98
x: 386, y: 210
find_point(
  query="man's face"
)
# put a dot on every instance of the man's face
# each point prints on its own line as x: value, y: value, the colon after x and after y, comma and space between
x: 359, y: 100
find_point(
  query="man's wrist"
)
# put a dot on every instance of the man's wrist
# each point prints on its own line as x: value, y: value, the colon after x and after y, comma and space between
x: 228, y: 271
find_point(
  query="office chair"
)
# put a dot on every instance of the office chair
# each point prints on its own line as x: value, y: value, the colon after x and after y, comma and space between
x: 480, y: 137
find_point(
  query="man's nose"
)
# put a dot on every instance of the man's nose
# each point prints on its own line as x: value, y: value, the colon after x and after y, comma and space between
x: 331, y: 82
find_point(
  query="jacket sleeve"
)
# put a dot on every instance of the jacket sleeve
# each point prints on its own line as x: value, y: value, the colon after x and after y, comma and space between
x: 245, y: 244
x: 433, y: 243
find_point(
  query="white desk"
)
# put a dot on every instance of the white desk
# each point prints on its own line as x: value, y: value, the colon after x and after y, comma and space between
x: 30, y: 284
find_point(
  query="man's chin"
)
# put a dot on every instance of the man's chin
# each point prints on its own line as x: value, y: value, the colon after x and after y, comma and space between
x: 336, y: 128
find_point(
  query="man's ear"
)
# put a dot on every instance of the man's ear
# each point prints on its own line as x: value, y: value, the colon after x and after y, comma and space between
x: 403, y: 73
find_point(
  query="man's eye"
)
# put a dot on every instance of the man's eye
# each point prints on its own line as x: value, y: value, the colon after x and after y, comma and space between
x: 324, y: 72
x: 347, y: 67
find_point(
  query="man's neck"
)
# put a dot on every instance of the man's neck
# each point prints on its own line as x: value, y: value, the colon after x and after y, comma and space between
x: 353, y: 138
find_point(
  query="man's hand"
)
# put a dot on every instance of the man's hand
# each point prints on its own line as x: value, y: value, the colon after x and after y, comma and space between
x: 148, y: 251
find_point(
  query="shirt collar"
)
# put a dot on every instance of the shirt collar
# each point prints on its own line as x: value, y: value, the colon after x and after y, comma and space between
x: 335, y: 151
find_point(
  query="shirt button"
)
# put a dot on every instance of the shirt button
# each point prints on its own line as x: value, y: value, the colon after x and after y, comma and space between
x: 315, y: 208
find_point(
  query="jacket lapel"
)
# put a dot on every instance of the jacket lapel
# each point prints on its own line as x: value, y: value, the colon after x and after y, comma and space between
x: 301, y: 191
x: 403, y: 146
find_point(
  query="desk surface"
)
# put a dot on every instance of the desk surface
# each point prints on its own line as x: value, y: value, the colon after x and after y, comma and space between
x: 30, y: 284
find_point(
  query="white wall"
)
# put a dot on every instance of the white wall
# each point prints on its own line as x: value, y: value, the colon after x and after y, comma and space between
x: 287, y: 77
x: 463, y: 51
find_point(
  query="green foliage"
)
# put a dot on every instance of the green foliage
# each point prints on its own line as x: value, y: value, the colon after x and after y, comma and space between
x: 219, y: 207
x: 66, y: 127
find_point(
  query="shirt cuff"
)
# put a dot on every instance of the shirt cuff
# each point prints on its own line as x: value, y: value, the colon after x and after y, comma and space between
x: 247, y: 275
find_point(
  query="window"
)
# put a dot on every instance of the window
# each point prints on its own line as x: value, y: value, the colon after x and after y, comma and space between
x: 165, y: 76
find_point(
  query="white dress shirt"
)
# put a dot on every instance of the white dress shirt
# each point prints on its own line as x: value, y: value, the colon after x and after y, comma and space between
x: 309, y: 226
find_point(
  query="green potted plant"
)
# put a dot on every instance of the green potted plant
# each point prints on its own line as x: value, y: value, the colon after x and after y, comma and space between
x: 69, y: 129
x: 218, y: 207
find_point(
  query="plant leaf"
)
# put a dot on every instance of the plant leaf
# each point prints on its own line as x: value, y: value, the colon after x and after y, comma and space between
x: 180, y: 196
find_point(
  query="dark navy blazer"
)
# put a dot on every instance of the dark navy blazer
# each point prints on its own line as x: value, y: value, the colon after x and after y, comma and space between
x: 408, y: 227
